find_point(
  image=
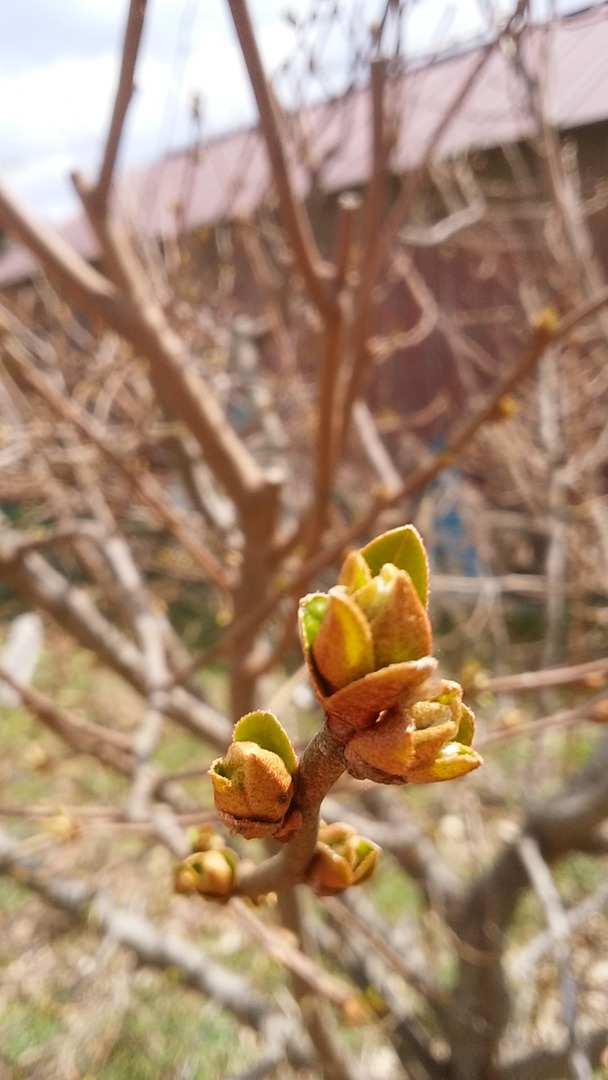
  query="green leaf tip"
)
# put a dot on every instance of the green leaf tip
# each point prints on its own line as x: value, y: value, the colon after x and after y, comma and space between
x: 404, y: 548
x: 343, y: 649
x: 312, y: 610
x: 263, y: 728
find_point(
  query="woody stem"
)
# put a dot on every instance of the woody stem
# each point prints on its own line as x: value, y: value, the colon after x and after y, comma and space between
x: 322, y: 763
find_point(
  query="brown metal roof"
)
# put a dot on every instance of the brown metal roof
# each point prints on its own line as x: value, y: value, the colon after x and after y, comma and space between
x: 229, y: 176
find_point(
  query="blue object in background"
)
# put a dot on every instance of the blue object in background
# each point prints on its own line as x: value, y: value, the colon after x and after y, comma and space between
x: 451, y: 550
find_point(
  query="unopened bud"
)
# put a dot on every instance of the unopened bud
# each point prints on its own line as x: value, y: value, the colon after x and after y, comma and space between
x: 329, y: 872
x: 208, y: 873
x: 253, y: 782
x: 400, y: 628
x: 342, y: 858
x: 422, y: 743
x: 252, y: 789
x: 368, y: 641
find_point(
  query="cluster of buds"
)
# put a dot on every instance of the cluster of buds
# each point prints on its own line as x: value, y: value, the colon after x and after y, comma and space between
x: 367, y: 643
x: 254, y: 782
x: 420, y: 743
x: 210, y: 870
x: 342, y: 858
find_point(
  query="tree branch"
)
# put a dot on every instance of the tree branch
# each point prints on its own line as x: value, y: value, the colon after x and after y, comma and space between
x: 295, y: 222
x: 547, y: 677
x: 553, y: 1064
x: 544, y: 886
x: 110, y: 747
x: 481, y: 1001
x: 384, y: 241
x: 98, y: 195
x: 152, y: 946
x: 138, y: 318
x: 542, y: 335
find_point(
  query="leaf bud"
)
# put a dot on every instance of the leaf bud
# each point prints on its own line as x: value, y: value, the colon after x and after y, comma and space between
x: 209, y: 873
x: 368, y: 641
x: 342, y: 858
x: 253, y: 783
x: 422, y: 743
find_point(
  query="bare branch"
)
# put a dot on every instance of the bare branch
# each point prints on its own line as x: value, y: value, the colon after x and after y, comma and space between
x: 385, y: 238
x: 317, y: 981
x: 561, y: 719
x: 553, y: 1064
x: 145, y: 486
x: 44, y: 587
x: 151, y: 945
x: 266, y: 1066
x: 536, y: 680
x: 544, y: 886
x: 521, y: 967
x: 133, y: 314
x: 110, y: 747
x: 542, y: 335
x: 295, y: 221
x: 348, y: 209
x: 337, y: 1063
x: 87, y: 288
x: 560, y: 825
x: 98, y: 195
x: 373, y: 202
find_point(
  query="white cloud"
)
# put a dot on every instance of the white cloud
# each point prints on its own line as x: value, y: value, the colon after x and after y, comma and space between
x: 59, y: 67
x: 60, y: 105
x: 54, y: 126
x: 36, y: 33
x: 44, y: 185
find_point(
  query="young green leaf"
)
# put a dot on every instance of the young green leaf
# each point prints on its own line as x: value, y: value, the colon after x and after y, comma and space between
x: 343, y: 650
x: 404, y: 548
x: 264, y: 729
x: 312, y: 610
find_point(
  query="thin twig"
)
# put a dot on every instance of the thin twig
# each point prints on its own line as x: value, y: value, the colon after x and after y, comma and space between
x: 131, y: 311
x: 523, y: 963
x: 143, y: 484
x: 279, y: 948
x: 535, y: 680
x: 135, y: 22
x: 110, y: 747
x: 336, y: 1062
x: 542, y: 335
x: 557, y: 721
x: 295, y: 221
x: 384, y: 241
x: 133, y: 931
x: 349, y: 922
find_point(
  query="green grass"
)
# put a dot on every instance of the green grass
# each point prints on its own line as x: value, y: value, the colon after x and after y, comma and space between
x: 168, y: 1029
x: 392, y: 892
x: 25, y: 1026
x: 12, y: 895
x: 578, y: 876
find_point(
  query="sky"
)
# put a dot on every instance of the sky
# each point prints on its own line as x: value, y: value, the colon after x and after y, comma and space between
x: 59, y: 64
